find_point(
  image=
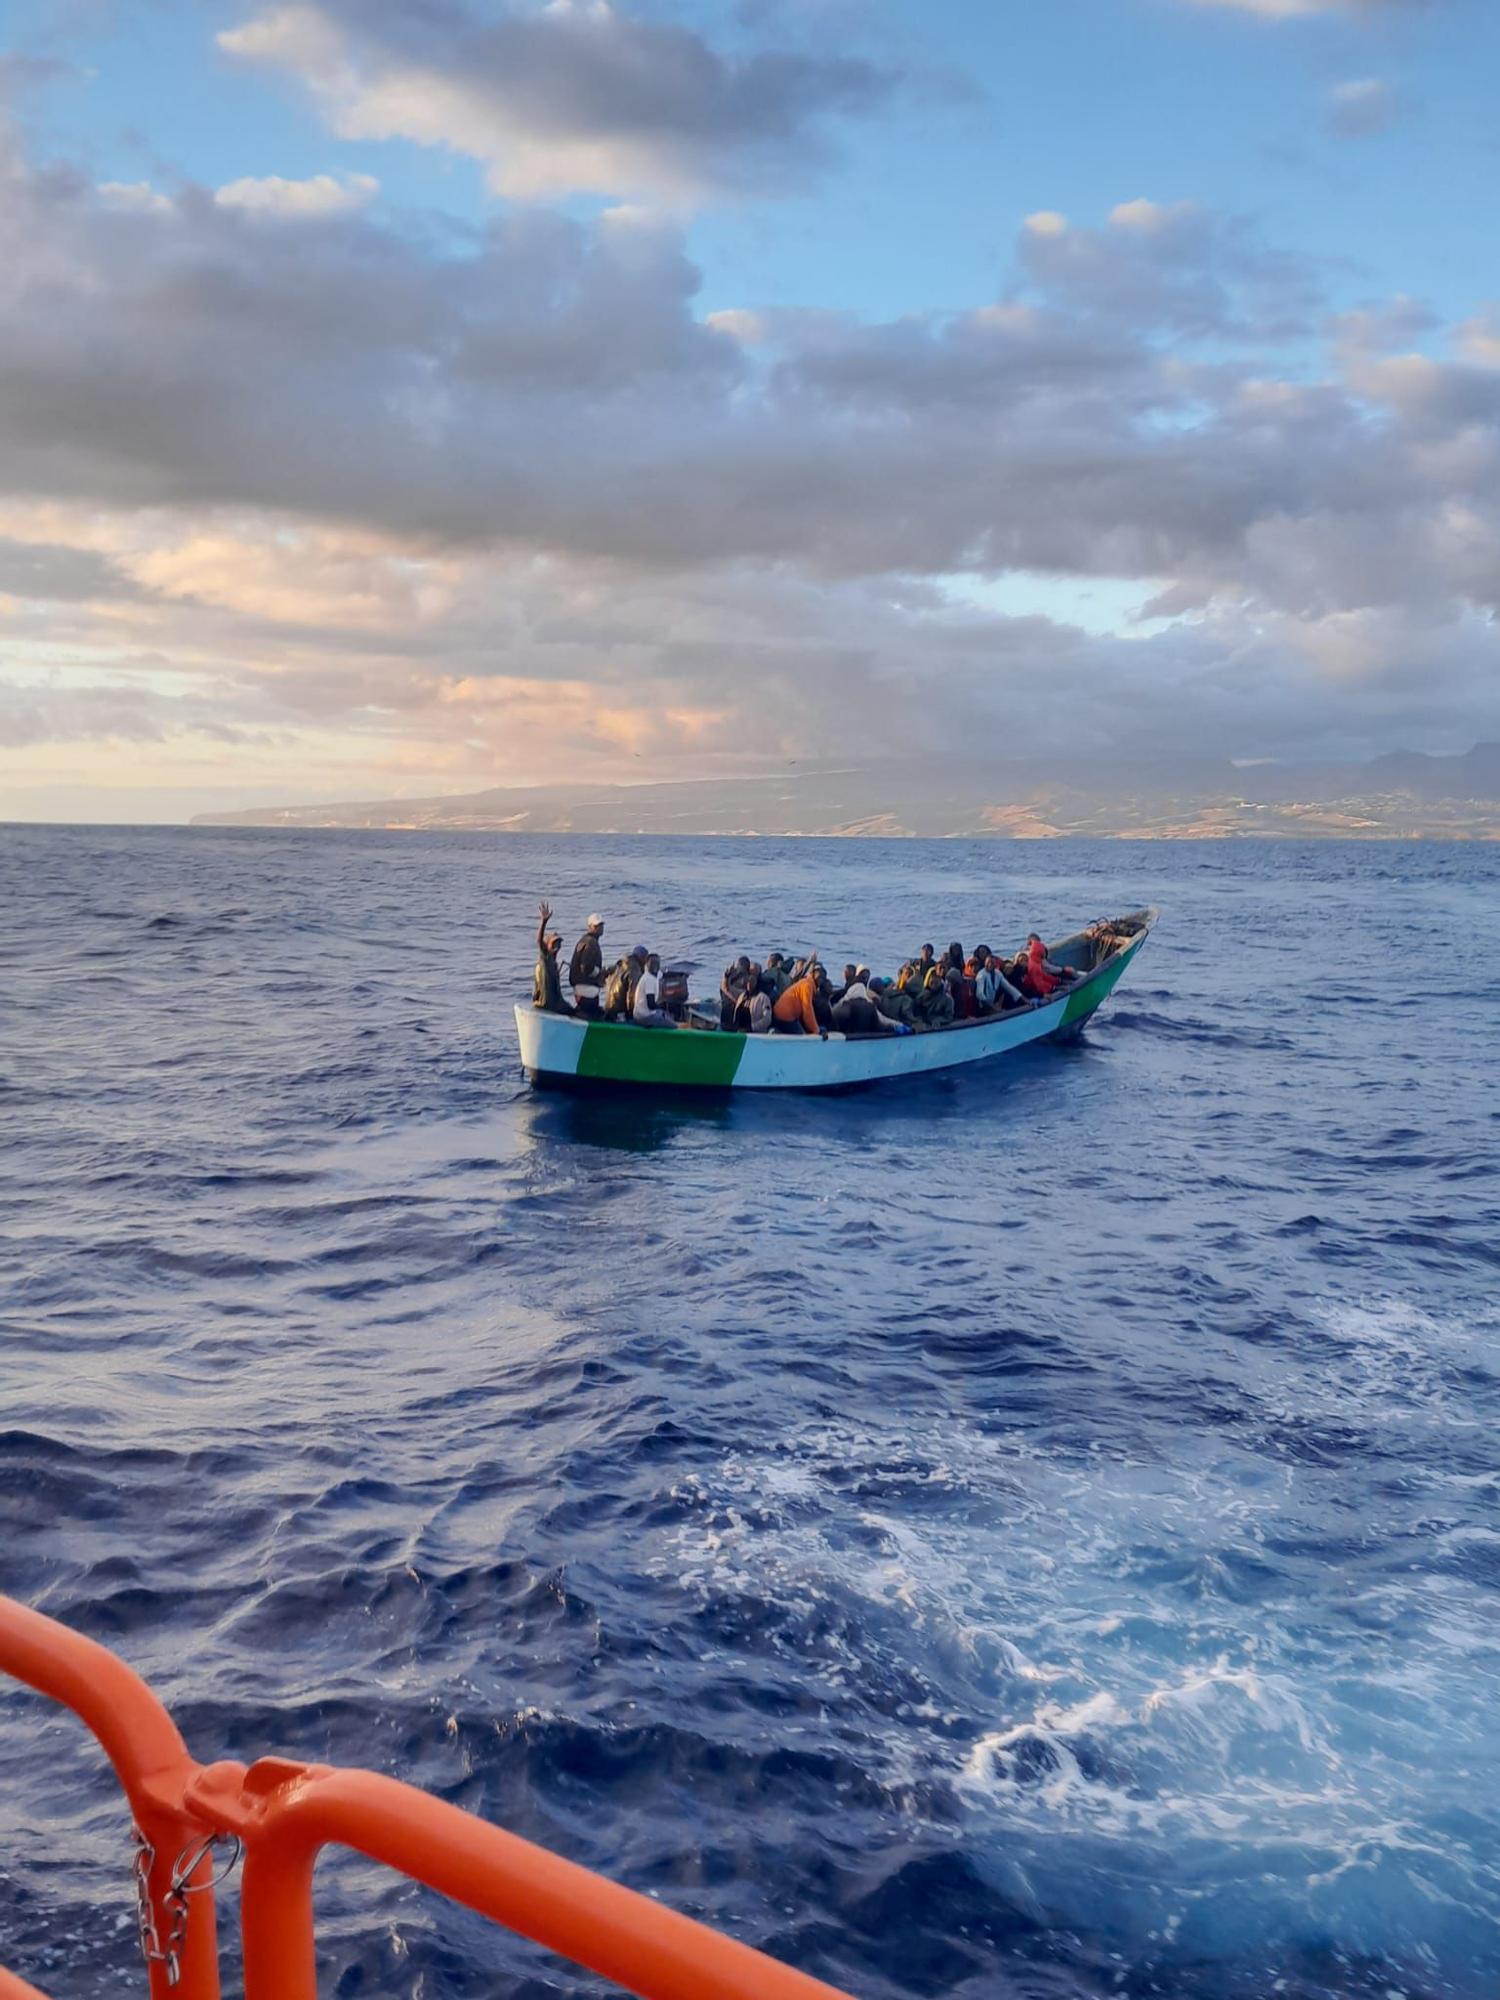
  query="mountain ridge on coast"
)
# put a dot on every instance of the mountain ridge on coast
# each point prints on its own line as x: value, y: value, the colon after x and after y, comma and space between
x: 1403, y: 795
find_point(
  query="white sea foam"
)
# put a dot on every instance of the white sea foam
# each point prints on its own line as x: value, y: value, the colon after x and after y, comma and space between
x: 1121, y: 1676
x: 1390, y: 1357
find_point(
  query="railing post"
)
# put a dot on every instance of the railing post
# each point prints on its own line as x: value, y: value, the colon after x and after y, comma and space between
x: 153, y: 1767
x: 276, y: 1885
x: 276, y: 1921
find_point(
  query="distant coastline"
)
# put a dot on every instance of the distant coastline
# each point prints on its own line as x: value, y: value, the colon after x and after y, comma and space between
x: 1406, y: 796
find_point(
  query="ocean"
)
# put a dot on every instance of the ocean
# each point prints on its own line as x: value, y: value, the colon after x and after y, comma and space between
x: 1033, y: 1532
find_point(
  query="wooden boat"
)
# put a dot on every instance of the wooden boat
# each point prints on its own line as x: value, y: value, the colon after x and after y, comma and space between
x: 700, y: 1055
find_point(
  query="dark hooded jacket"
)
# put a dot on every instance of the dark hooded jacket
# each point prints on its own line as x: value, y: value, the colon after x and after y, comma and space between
x: 586, y: 967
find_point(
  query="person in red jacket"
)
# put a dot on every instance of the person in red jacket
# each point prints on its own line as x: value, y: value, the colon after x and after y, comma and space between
x: 1043, y: 977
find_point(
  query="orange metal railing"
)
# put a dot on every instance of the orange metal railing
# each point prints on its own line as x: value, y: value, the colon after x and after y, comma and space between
x: 283, y: 1813
x: 12, y: 1988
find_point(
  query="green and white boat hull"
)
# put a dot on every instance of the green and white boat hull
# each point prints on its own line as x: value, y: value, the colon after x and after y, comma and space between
x: 558, y: 1048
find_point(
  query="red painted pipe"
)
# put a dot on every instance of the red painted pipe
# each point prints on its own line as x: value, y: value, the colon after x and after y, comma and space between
x: 150, y: 1760
x: 284, y: 1813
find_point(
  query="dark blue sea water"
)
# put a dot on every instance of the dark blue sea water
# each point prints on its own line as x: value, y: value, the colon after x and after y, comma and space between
x: 1030, y: 1533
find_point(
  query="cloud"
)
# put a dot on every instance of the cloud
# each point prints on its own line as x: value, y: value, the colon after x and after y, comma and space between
x: 1361, y: 108
x: 530, y: 666
x: 1174, y: 267
x: 1479, y: 339
x: 134, y: 194
x: 576, y: 95
x: 21, y: 74
x: 272, y: 196
x: 1302, y: 10
x: 454, y: 502
x: 50, y: 573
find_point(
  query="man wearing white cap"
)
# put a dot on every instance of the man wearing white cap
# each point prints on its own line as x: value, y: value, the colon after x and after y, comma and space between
x: 586, y: 968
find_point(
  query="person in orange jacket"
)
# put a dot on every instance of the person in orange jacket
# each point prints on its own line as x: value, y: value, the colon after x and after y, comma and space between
x: 797, y: 1006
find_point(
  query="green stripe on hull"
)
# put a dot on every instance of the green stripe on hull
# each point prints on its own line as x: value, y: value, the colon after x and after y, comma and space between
x: 647, y: 1055
x: 1082, y: 1004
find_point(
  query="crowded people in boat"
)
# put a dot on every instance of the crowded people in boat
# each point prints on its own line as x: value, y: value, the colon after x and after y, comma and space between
x: 796, y: 997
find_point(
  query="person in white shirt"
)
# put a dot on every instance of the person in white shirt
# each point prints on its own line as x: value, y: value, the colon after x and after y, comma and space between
x: 646, y: 1013
x: 991, y: 987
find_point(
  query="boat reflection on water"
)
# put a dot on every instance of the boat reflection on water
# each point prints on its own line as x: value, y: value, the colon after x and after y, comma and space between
x: 635, y: 1124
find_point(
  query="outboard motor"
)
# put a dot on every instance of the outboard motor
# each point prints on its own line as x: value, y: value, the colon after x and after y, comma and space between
x: 673, y: 993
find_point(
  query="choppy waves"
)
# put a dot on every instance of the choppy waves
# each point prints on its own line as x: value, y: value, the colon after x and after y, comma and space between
x: 1033, y: 1533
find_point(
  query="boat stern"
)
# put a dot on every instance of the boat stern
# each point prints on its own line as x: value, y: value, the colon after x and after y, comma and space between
x: 561, y: 1048
x: 550, y: 1043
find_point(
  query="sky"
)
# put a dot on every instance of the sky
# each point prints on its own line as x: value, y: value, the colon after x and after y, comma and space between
x: 399, y: 397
